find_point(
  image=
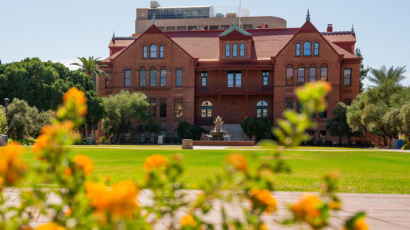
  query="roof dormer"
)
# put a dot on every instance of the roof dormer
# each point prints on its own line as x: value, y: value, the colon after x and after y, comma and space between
x: 235, y: 43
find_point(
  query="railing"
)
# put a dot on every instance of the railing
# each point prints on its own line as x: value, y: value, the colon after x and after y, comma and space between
x: 254, y: 90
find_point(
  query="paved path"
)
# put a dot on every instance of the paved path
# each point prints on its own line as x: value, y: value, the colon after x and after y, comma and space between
x: 384, y: 211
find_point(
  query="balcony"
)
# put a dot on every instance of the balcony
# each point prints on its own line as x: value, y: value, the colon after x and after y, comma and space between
x: 208, y: 91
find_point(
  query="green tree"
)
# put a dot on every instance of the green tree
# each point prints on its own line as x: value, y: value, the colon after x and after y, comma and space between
x: 90, y: 66
x: 337, y: 125
x: 363, y: 70
x: 259, y: 128
x: 121, y: 109
x: 377, y: 110
x: 383, y: 76
x: 186, y: 130
x: 3, y: 121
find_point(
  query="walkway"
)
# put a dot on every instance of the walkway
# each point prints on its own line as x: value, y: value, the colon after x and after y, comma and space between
x: 384, y: 211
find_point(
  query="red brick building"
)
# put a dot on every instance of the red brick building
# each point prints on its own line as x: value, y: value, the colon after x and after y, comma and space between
x: 198, y: 75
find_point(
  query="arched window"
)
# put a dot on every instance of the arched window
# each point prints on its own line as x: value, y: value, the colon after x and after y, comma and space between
x: 307, y: 49
x: 297, y: 49
x: 206, y: 109
x: 143, y: 77
x: 261, y: 109
x: 227, y: 50
x: 242, y: 49
x: 161, y: 51
x: 163, y: 77
x: 316, y: 52
x: 301, y: 75
x: 324, y: 72
x: 153, y: 77
x: 312, y: 73
x: 289, y: 75
x: 145, y: 52
x: 234, y: 50
x: 153, y: 51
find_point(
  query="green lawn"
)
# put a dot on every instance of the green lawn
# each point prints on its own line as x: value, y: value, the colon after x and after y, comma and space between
x: 362, y: 171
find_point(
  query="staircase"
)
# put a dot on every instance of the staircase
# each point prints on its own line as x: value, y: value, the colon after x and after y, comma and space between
x: 235, y: 131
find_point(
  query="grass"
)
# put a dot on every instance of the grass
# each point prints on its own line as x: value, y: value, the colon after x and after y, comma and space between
x: 362, y: 171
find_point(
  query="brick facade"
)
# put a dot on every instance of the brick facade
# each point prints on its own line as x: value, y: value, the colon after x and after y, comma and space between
x: 255, y: 71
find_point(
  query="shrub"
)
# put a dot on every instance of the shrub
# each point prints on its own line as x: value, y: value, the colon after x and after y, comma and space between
x: 188, y: 131
x: 85, y: 202
x: 3, y: 121
x: 259, y: 128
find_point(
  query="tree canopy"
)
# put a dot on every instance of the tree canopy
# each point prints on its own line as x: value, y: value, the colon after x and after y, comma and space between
x: 121, y: 109
x: 42, y: 85
x: 382, y: 109
x: 337, y: 125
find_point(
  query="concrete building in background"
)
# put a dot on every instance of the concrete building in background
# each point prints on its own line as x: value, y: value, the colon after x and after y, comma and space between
x: 192, y: 18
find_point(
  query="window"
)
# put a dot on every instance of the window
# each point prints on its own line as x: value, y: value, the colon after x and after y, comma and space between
x: 312, y: 74
x: 322, y: 134
x: 307, y: 49
x: 163, y: 132
x: 206, y: 109
x: 261, y: 109
x: 297, y: 49
x: 127, y: 78
x: 265, y: 78
x: 153, y: 51
x: 163, y: 107
x: 153, y: 77
x: 143, y: 77
x: 152, y: 137
x: 242, y: 50
x: 289, y: 103
x: 289, y: 75
x: 323, y: 114
x: 234, y: 50
x: 301, y: 75
x: 234, y: 79
x: 107, y: 83
x: 347, y: 101
x: 298, y: 107
x: 163, y: 77
x: 316, y: 52
x: 323, y: 73
x: 152, y: 109
x: 204, y: 78
x: 178, y: 78
x: 142, y: 137
x: 178, y: 108
x: 145, y: 52
x: 227, y: 50
x: 347, y: 77
x: 161, y: 51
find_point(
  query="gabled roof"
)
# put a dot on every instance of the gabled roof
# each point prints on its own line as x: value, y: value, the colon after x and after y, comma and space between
x: 235, y: 27
x: 204, y: 45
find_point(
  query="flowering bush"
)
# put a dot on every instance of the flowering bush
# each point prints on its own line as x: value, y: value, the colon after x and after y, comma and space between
x: 82, y: 203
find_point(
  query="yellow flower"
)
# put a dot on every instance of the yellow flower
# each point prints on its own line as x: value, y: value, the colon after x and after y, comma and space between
x: 68, y: 212
x: 68, y: 172
x: 307, y: 208
x: 335, y: 205
x: 155, y: 162
x: 360, y: 224
x: 263, y: 227
x: 48, y: 140
x: 121, y: 200
x: 11, y: 166
x: 79, y: 99
x: 84, y: 163
x: 189, y: 221
x: 238, y: 161
x: 265, y: 198
x: 50, y: 226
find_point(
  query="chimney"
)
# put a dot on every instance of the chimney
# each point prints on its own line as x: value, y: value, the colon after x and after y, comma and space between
x: 329, y: 28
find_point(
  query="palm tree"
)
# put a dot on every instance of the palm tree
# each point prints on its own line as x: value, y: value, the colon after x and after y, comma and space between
x: 390, y: 76
x: 91, y: 67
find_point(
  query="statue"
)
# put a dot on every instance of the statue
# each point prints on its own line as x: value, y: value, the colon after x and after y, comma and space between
x: 218, y: 133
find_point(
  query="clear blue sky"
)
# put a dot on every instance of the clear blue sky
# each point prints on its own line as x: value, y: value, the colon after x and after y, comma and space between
x: 60, y: 30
